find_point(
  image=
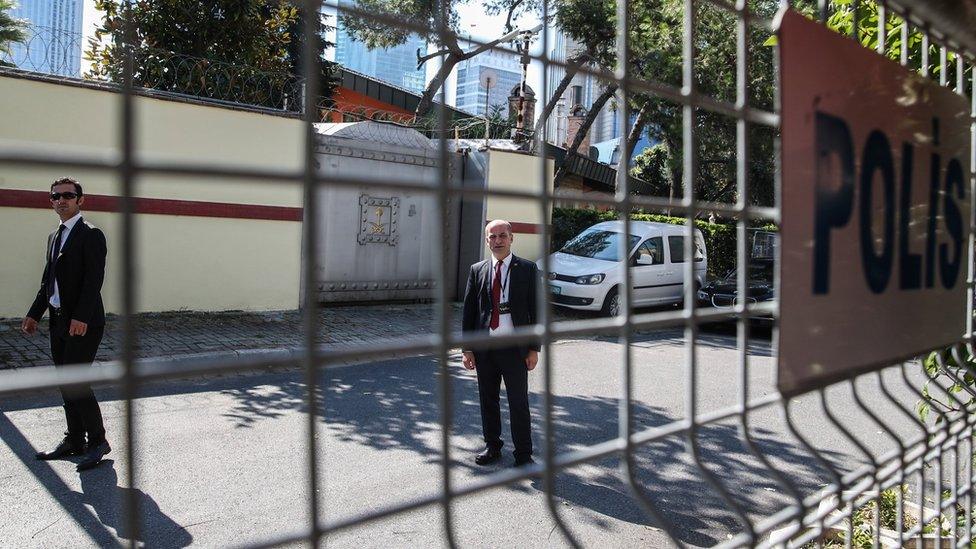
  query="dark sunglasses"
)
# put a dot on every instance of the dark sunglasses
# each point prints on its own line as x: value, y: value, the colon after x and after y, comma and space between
x: 66, y: 196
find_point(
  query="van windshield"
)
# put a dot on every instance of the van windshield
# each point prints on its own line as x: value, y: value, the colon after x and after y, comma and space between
x: 598, y: 245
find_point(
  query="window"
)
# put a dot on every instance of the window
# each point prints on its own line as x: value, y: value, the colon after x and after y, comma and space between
x: 677, y: 246
x: 652, y: 247
x: 597, y: 244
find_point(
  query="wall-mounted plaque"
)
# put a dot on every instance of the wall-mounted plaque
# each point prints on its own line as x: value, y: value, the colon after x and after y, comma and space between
x: 378, y: 220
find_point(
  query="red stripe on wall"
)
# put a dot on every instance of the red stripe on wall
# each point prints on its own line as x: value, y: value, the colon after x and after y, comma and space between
x: 523, y: 228
x: 159, y: 206
x: 526, y: 228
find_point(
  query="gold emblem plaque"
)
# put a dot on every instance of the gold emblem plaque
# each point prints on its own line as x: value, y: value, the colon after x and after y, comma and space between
x: 378, y: 220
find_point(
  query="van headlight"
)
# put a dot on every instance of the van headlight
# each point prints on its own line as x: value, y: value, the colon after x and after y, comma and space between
x: 590, y: 279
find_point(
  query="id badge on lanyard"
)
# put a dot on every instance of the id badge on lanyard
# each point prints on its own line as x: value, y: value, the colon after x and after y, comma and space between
x: 504, y: 307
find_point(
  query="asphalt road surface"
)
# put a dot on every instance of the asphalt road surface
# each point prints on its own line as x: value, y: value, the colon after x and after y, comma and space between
x: 222, y: 461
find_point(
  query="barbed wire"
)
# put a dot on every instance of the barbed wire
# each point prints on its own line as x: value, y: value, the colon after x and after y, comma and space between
x: 46, y: 50
x: 60, y: 52
x: 213, y: 79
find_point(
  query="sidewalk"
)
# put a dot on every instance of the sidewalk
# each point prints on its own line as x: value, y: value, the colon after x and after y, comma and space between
x: 183, y: 333
x: 189, y: 333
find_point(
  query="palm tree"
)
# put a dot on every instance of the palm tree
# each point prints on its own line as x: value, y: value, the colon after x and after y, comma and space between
x: 11, y: 30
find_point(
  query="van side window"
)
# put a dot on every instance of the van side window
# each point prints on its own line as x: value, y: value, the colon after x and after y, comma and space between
x: 653, y: 248
x: 676, y: 245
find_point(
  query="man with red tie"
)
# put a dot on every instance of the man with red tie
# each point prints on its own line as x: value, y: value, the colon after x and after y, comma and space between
x: 500, y: 296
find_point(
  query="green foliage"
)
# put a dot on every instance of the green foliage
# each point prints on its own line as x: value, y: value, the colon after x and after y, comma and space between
x: 654, y: 165
x: 862, y: 536
x: 865, y: 14
x: 568, y: 222
x: 239, y: 50
x: 462, y: 127
x: 720, y: 238
x: 845, y: 14
x: 11, y: 30
x: 959, y: 381
x: 656, y: 43
x: 593, y: 25
x: 422, y: 15
x: 862, y: 519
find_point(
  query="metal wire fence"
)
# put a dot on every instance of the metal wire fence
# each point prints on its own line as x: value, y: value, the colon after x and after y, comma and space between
x: 936, y: 457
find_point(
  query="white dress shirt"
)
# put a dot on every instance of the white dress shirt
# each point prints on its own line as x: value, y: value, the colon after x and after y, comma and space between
x: 68, y: 225
x: 505, y: 325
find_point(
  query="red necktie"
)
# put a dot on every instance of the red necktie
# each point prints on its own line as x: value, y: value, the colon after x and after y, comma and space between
x: 496, y: 296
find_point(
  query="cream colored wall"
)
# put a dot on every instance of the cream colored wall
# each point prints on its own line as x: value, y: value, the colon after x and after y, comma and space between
x: 184, y: 262
x: 518, y: 171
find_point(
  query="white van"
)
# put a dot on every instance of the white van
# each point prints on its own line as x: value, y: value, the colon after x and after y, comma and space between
x: 585, y: 273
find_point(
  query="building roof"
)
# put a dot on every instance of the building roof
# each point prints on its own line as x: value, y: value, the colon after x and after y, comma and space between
x: 387, y: 93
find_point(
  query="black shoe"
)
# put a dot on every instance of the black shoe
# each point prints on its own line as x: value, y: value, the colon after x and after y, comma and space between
x: 94, y: 456
x: 488, y: 456
x: 524, y: 461
x: 66, y: 448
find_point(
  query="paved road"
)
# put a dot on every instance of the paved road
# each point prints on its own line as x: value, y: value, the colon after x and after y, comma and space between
x: 221, y: 460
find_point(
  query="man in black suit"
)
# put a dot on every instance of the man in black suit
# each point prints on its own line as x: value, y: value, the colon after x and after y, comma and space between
x: 71, y: 290
x: 501, y: 295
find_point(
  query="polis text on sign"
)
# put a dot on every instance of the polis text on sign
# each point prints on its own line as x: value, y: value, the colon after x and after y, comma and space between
x: 837, y: 206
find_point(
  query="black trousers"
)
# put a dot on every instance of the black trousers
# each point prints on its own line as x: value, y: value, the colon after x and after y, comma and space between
x: 80, y: 406
x: 493, y: 366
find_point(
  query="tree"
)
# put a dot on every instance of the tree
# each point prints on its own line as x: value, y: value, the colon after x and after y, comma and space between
x: 845, y: 15
x: 424, y: 17
x: 11, y: 30
x: 239, y: 50
x: 653, y: 166
x: 656, y: 36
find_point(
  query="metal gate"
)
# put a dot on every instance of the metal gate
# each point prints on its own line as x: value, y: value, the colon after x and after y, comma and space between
x: 936, y: 459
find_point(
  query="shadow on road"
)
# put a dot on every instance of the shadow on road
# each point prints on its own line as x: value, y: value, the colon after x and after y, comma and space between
x: 396, y: 405
x: 99, y: 508
x: 101, y: 491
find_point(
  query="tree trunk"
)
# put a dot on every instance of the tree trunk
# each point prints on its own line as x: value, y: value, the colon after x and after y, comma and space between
x: 635, y: 132
x: 573, y: 67
x: 675, y: 174
x: 627, y: 150
x: 427, y: 98
x: 584, y: 129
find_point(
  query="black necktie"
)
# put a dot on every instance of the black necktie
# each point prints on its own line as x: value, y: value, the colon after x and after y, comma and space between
x: 55, y: 252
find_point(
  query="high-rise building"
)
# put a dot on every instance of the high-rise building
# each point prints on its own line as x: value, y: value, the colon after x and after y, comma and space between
x: 607, y: 123
x: 54, y: 36
x: 396, y: 65
x: 578, y: 93
x: 506, y: 72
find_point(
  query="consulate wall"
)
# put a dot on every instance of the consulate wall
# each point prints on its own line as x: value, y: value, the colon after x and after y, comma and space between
x: 213, y: 244
x: 201, y: 244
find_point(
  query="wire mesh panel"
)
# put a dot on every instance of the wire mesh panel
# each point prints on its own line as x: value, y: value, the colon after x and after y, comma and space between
x: 697, y: 437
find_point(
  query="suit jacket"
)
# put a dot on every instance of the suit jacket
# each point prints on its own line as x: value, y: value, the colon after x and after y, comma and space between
x: 80, y: 272
x: 522, y: 287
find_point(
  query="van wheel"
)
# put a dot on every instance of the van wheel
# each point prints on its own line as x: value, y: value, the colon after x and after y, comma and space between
x: 611, y: 305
